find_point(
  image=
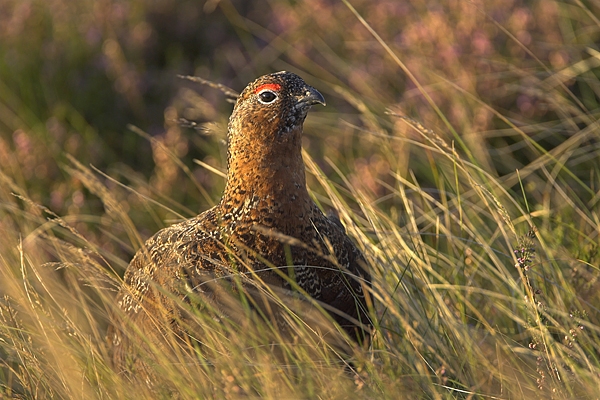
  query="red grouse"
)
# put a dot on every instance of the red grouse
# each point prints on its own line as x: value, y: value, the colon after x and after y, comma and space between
x: 265, y: 218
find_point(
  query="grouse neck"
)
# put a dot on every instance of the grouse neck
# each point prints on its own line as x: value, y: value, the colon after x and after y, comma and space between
x: 268, y: 175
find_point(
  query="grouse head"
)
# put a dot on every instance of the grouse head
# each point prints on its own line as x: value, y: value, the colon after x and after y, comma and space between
x: 272, y: 107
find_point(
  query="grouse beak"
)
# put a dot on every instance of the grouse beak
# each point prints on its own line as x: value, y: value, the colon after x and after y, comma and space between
x: 311, y: 97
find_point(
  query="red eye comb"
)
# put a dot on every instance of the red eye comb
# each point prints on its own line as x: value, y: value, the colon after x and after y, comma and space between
x: 272, y: 86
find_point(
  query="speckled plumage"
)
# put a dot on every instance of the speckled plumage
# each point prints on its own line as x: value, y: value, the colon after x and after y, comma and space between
x: 265, y: 213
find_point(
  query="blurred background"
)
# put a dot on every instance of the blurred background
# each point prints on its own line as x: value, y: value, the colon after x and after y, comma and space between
x: 503, y: 80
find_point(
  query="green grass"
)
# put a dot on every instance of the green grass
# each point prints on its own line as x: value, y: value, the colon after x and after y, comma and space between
x: 460, y: 146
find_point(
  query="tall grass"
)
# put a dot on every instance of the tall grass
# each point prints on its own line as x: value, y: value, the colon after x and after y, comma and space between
x: 459, y: 146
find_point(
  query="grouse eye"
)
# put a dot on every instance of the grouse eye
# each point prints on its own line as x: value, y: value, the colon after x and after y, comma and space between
x: 267, y: 97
